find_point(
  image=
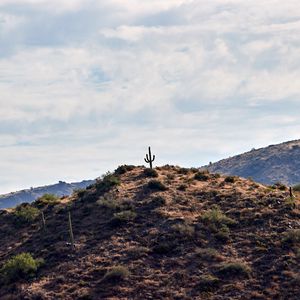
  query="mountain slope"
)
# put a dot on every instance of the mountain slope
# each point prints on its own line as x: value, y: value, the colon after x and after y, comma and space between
x: 60, y: 189
x: 276, y: 163
x: 181, y: 235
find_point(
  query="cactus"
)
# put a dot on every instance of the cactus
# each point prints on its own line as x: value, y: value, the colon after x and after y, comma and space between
x: 291, y: 192
x: 71, y: 232
x: 149, y: 158
x: 43, y: 220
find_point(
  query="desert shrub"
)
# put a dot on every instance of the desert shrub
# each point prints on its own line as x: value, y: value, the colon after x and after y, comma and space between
x: 21, y: 266
x: 116, y: 274
x: 182, y: 187
x: 123, y: 217
x: 234, y: 269
x: 184, y: 230
x: 123, y: 169
x: 223, y: 234
x: 291, y: 237
x: 215, y: 216
x: 201, y: 176
x: 158, y: 201
x: 137, y: 252
x: 47, y: 199
x: 208, y: 283
x: 229, y: 179
x: 280, y: 186
x: 216, y: 175
x: 108, y: 181
x: 156, y: 185
x: 164, y: 247
x: 296, y: 187
x: 150, y: 172
x: 208, y: 254
x: 80, y: 192
x: 183, y: 171
x: 25, y: 213
x: 108, y: 202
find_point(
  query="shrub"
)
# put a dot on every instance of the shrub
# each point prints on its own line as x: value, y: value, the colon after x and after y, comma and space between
x: 216, y: 217
x: 184, y: 230
x: 158, y: 201
x: 47, y: 199
x: 234, y: 269
x: 123, y: 169
x: 123, y: 217
x: 208, y: 283
x: 183, y: 171
x: 116, y: 274
x: 208, y: 254
x: 21, y: 266
x: 108, y: 203
x: 25, y: 213
x: 201, y: 176
x: 229, y: 179
x: 150, y: 172
x: 107, y: 182
x: 291, y: 237
x: 164, y: 247
x: 280, y: 186
x: 156, y: 185
x: 182, y: 187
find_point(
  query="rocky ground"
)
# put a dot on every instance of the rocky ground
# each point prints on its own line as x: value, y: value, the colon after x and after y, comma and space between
x: 172, y: 233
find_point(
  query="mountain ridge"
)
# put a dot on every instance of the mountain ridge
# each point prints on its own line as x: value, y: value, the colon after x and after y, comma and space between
x: 267, y: 165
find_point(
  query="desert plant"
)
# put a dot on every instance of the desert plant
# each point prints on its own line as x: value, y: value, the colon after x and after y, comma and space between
x: 208, y: 254
x: 150, y: 172
x: 216, y: 217
x: 109, y: 203
x: 116, y: 274
x: 296, y: 187
x: 182, y: 187
x: 208, y: 283
x: 25, y: 213
x: 123, y: 217
x: 234, y: 269
x: 184, y: 230
x: 71, y: 231
x: 21, y: 266
x: 229, y: 179
x: 291, y: 237
x: 108, y: 181
x: 149, y: 158
x: 47, y: 199
x: 201, y: 176
x: 156, y: 185
x: 123, y: 169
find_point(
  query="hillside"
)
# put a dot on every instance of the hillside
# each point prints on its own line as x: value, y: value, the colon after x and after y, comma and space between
x: 276, y: 163
x: 60, y: 189
x: 172, y: 233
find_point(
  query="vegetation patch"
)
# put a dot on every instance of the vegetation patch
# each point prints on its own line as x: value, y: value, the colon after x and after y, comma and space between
x: 208, y: 254
x: 233, y: 270
x: 47, y: 199
x: 291, y: 237
x: 123, y: 217
x: 216, y: 216
x: 150, y: 173
x: 123, y: 169
x: 201, y: 176
x: 208, y: 283
x: 116, y: 274
x: 108, y: 181
x: 230, y: 179
x: 184, y: 230
x: 156, y: 185
x: 21, y: 266
x: 25, y: 214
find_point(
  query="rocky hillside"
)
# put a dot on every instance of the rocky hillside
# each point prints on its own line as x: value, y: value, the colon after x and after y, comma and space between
x: 276, y: 163
x: 60, y: 189
x: 168, y: 233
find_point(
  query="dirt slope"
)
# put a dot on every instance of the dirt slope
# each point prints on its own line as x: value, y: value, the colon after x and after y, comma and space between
x: 196, y: 236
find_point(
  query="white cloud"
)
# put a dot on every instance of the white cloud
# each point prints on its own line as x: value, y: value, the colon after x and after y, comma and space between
x: 86, y: 85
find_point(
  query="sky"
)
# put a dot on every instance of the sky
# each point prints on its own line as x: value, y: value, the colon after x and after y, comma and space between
x: 88, y: 85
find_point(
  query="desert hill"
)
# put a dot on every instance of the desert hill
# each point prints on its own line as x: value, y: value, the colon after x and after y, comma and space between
x: 168, y: 233
x: 59, y: 189
x: 275, y: 163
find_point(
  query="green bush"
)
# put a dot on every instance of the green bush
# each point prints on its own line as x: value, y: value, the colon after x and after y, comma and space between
x: 208, y: 254
x: 108, y: 203
x: 47, y: 199
x: 216, y: 217
x: 116, y: 274
x: 208, y: 283
x: 123, y: 217
x: 184, y: 230
x: 156, y: 185
x: 123, y: 169
x: 234, y: 269
x: 108, y: 181
x: 229, y: 179
x: 201, y: 176
x: 21, y: 266
x: 291, y: 237
x: 25, y: 213
x: 150, y: 172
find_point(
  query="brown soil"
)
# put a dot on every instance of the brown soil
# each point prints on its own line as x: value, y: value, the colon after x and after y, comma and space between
x: 170, y: 246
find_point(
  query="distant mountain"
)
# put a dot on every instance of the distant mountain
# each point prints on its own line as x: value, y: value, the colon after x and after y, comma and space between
x: 29, y: 195
x: 275, y: 163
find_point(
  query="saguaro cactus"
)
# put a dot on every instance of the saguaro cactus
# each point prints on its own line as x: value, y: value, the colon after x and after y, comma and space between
x: 149, y: 158
x: 71, y: 232
x: 43, y: 220
x: 291, y: 192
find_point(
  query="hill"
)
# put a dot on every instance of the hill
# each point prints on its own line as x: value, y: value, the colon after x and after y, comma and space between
x: 168, y: 233
x: 275, y: 163
x: 60, y: 189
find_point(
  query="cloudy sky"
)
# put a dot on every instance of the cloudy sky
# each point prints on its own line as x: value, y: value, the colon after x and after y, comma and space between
x: 87, y: 85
